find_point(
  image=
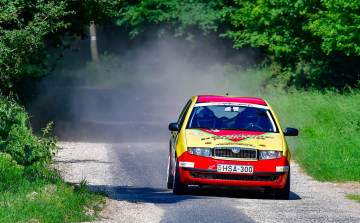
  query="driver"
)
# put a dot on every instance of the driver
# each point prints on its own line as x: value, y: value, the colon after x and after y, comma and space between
x: 248, y: 118
x: 206, y: 118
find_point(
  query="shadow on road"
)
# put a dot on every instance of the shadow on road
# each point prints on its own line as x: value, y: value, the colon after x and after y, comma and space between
x: 165, y: 196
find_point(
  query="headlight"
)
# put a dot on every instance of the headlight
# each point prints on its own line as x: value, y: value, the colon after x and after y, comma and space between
x: 199, y: 151
x: 266, y: 154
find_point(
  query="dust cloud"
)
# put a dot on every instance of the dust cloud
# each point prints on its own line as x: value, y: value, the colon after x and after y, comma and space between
x: 139, y: 92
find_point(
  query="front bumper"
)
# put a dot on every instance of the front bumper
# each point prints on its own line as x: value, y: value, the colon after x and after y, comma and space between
x: 205, y: 172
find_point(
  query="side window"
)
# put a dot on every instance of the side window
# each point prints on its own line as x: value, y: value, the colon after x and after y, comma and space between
x: 183, y: 113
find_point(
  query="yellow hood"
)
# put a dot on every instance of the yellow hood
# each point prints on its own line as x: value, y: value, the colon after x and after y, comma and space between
x: 222, y: 138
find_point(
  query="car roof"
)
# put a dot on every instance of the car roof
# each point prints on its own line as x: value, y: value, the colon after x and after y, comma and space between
x: 230, y: 98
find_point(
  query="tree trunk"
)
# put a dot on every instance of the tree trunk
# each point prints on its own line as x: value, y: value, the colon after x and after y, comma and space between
x: 93, y: 45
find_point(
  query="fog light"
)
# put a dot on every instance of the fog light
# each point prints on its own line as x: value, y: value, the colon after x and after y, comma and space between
x: 190, y: 150
x: 282, y: 169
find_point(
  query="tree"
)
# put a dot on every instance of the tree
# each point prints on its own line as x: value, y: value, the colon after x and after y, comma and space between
x: 318, y: 40
x: 28, y: 25
x: 23, y: 28
x: 179, y: 15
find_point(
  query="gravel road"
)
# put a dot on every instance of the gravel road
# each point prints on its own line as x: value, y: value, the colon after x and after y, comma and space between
x: 134, y: 174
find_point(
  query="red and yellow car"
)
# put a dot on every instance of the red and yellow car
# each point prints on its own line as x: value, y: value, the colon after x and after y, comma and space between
x: 231, y: 141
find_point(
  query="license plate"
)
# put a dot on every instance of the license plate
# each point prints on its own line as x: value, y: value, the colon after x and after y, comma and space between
x: 234, y: 168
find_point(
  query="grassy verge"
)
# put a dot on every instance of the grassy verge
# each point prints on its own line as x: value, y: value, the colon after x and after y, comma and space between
x: 355, y: 197
x: 25, y: 198
x: 329, y: 124
x: 328, y: 145
x: 30, y: 190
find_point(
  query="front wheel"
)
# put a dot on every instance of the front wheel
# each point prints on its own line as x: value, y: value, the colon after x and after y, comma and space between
x: 170, y: 177
x: 284, y: 193
x: 178, y: 187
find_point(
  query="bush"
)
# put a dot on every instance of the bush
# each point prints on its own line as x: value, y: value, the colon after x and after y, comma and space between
x: 17, y: 139
x: 30, y: 190
x: 10, y: 171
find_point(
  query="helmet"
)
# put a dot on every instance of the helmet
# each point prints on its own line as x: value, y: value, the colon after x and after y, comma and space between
x: 250, y: 116
x: 206, y: 118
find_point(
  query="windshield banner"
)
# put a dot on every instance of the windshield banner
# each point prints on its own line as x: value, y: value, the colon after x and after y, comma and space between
x: 231, y: 104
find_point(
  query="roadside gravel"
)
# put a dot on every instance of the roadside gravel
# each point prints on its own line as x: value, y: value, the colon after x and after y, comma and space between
x: 310, y: 201
x: 92, y: 162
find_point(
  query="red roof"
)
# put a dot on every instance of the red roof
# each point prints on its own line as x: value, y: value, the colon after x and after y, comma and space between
x: 216, y: 98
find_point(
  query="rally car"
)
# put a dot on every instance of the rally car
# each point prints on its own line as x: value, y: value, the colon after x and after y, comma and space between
x: 231, y: 141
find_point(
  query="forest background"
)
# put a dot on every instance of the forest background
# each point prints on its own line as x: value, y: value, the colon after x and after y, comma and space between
x: 306, y: 66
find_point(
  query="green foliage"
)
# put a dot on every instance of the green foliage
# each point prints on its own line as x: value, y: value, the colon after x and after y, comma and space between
x: 29, y: 188
x: 10, y: 171
x: 26, y: 27
x: 176, y: 14
x: 23, y: 28
x: 315, y: 42
x: 337, y: 23
x: 17, y: 138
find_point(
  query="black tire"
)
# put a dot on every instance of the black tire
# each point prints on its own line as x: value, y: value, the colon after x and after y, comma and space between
x: 170, y: 177
x: 284, y: 193
x: 178, y: 187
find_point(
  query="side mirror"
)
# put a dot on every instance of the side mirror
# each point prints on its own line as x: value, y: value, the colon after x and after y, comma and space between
x: 174, y: 127
x: 291, y: 132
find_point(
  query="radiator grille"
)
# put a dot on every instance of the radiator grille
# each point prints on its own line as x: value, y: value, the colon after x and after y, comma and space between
x: 242, y: 154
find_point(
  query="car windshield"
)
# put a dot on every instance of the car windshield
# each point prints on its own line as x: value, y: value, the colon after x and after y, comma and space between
x: 244, y: 118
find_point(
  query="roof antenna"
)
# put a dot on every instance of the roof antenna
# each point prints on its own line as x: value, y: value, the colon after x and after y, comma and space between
x: 227, y: 93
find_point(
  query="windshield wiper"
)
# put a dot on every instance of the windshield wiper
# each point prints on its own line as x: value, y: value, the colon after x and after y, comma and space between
x: 241, y: 129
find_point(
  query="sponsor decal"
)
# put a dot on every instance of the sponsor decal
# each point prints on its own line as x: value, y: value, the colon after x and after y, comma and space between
x: 238, y: 137
x: 262, y: 145
x: 207, y: 142
x: 233, y: 135
x: 235, y: 144
x: 186, y: 164
x: 197, y: 133
x: 211, y: 167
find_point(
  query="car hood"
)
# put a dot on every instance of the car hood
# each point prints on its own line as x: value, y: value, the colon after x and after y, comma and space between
x: 232, y: 138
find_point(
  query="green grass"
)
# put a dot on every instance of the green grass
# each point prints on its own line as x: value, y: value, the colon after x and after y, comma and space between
x: 355, y: 197
x: 328, y: 145
x: 24, y: 198
x: 30, y: 191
